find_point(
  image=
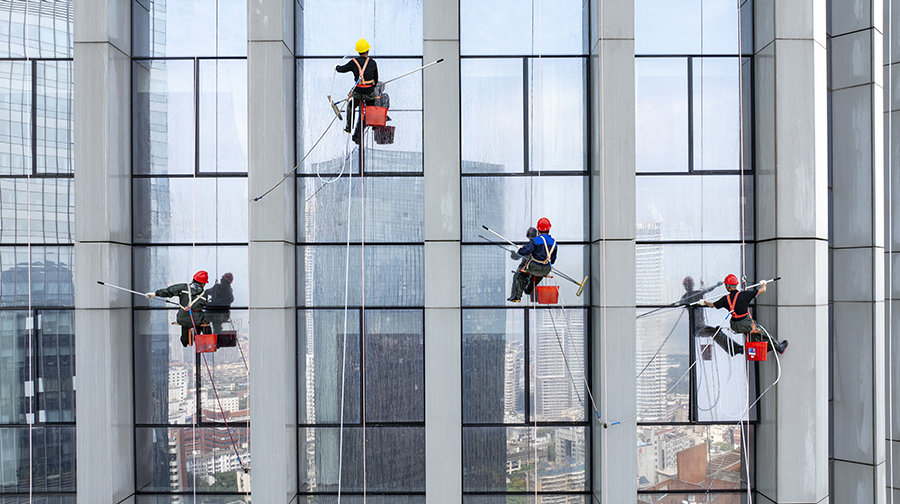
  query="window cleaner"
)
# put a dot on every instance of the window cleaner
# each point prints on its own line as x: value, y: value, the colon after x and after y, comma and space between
x: 738, y: 304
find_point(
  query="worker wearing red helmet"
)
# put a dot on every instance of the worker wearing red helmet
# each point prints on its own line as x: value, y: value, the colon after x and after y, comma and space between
x: 542, y: 249
x: 192, y: 299
x: 738, y: 304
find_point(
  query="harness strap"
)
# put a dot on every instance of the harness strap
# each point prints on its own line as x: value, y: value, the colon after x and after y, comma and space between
x: 362, y: 71
x: 731, y: 304
x: 547, y: 250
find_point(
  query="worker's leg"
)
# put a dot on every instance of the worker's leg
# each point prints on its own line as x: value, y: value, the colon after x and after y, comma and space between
x: 520, y: 280
x: 185, y: 335
x: 532, y: 284
x: 773, y: 344
x: 729, y: 345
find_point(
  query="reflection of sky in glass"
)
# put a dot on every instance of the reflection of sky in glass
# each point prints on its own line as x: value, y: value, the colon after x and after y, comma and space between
x: 510, y: 27
x: 160, y: 266
x: 492, y: 115
x: 716, y: 114
x: 661, y: 115
x: 674, y: 27
x: 223, y: 116
x: 332, y: 27
x: 661, y: 269
x: 557, y: 107
x: 163, y: 117
x: 172, y: 28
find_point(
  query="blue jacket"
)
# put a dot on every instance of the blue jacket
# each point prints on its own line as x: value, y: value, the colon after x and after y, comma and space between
x: 537, y: 250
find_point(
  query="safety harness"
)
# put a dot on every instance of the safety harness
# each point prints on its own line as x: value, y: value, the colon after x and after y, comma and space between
x: 363, y: 83
x: 546, y: 249
x: 731, y: 303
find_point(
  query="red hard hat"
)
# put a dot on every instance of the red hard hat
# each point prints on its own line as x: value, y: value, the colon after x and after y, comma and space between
x: 201, y: 277
x: 731, y: 280
x: 543, y: 224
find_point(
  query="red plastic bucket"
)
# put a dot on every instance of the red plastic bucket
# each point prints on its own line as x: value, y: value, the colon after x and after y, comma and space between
x: 547, y: 294
x: 755, y: 350
x: 205, y: 343
x: 375, y: 116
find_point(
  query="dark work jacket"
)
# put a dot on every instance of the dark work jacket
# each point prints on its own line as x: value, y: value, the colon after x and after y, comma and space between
x: 220, y: 297
x: 371, y: 73
x: 179, y: 290
x: 535, y: 248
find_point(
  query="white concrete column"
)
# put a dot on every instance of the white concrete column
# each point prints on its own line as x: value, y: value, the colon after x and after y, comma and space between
x: 792, y: 233
x: 857, y: 251
x: 103, y: 321
x: 443, y: 317
x: 612, y: 144
x: 273, y: 312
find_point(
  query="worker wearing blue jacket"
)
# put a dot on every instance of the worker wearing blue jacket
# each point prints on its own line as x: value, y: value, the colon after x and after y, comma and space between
x: 542, y: 249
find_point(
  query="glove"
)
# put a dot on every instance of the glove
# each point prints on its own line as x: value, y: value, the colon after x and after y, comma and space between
x: 762, y: 284
x: 335, y: 66
x: 513, y: 256
x: 150, y: 295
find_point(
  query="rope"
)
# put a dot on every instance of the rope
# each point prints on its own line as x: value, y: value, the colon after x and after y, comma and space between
x: 344, y: 352
x: 890, y: 262
x: 362, y: 256
x: 30, y: 418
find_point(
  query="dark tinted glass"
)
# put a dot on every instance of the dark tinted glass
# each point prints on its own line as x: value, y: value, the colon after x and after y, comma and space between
x: 40, y: 210
x: 41, y: 459
x: 48, y: 272
x: 395, y: 365
x: 329, y: 366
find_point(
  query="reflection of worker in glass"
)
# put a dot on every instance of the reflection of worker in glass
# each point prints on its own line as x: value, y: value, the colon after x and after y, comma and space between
x: 700, y: 328
x: 365, y: 71
x: 220, y: 298
x: 738, y: 304
x: 192, y: 300
x: 542, y: 249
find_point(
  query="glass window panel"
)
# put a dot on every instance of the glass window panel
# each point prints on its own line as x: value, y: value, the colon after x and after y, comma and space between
x: 56, y: 367
x: 54, y: 118
x: 163, y: 117
x: 394, y: 210
x: 510, y: 205
x: 693, y: 207
x: 335, y: 153
x: 721, y: 380
x: 38, y: 499
x: 222, y: 480
x: 173, y: 459
x: 49, y: 464
x: 323, y: 367
x: 223, y: 116
x: 493, y: 360
x: 394, y: 275
x: 557, y: 364
x: 395, y: 365
x: 159, y: 267
x: 49, y: 34
x: 685, y: 27
x: 661, y: 115
x: 663, y: 385
x: 225, y: 375
x: 690, y: 458
x: 492, y: 115
x: 189, y: 210
x: 557, y: 133
x: 394, y: 459
x: 527, y: 498
x: 360, y: 499
x: 15, y: 117
x: 488, y: 274
x: 716, y: 114
x: 50, y: 276
x: 660, y: 268
x: 392, y: 27
x: 40, y: 208
x: 502, y: 459
x: 694, y: 498
x: 188, y: 28
x: 164, y: 370
x: 507, y: 27
x: 14, y: 364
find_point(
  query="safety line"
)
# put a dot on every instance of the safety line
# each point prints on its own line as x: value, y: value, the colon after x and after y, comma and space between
x: 362, y: 255
x: 249, y: 221
x: 346, y: 309
x: 30, y: 355
x: 661, y: 345
x: 890, y: 244
x: 197, y: 405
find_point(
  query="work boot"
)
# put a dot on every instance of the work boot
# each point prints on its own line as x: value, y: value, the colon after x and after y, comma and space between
x: 355, y: 138
x: 513, y: 299
x: 782, y: 346
x: 185, y: 340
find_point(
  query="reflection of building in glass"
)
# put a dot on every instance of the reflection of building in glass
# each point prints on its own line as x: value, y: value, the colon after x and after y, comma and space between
x: 557, y: 374
x: 513, y: 399
x: 651, y: 385
x: 677, y: 457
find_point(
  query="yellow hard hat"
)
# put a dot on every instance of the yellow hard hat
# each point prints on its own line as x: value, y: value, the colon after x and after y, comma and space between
x: 362, y: 46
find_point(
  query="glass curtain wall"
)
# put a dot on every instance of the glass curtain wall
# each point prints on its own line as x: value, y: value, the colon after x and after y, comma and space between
x: 360, y: 261
x: 693, y: 78
x: 524, y: 124
x: 190, y: 193
x: 37, y: 340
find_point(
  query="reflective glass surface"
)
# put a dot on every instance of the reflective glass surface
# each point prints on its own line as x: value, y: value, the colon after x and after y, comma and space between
x: 48, y: 273
x: 39, y: 210
x: 395, y: 365
x: 36, y: 29
x: 329, y: 366
x: 502, y: 459
x: 526, y: 499
x: 394, y: 459
x: 392, y: 27
x: 226, y: 480
x: 686, y: 27
x: 663, y: 386
x: 183, y: 459
x: 510, y: 205
x: 492, y: 115
x: 15, y: 117
x: 188, y: 210
x: 557, y: 114
x: 661, y: 114
x: 223, y: 116
x: 14, y: 363
x: 387, y: 275
x: 360, y: 499
x: 508, y: 27
x: 716, y: 114
x: 335, y: 153
x: 690, y: 458
x: 164, y: 370
x: 693, y: 208
x: 486, y: 279
x: 56, y: 366
x: 157, y: 267
x: 698, y: 498
x: 557, y: 365
x: 49, y: 464
x: 163, y: 28
x: 38, y: 499
x: 493, y: 362
x: 54, y: 117
x: 394, y: 210
x: 163, y: 139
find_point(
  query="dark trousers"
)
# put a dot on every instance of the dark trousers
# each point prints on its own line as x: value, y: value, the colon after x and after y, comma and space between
x: 358, y: 97
x: 742, y: 326
x: 529, y: 276
x: 188, y: 322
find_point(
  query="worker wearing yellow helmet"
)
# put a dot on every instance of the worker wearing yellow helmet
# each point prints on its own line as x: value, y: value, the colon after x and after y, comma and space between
x: 365, y: 72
